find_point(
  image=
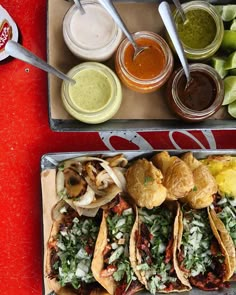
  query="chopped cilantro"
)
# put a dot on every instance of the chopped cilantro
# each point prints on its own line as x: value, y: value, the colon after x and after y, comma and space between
x: 194, y: 188
x: 76, y: 243
x: 119, y: 228
x: 147, y: 179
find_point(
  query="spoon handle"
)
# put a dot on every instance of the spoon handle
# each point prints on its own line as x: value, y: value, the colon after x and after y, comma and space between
x: 165, y: 13
x: 79, y: 6
x: 108, y: 5
x: 180, y: 10
x: 19, y: 52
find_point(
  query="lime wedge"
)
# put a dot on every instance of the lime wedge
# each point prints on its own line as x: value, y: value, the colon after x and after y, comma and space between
x: 230, y: 62
x: 229, y: 40
x: 228, y: 12
x: 218, y: 65
x: 230, y: 90
x: 232, y: 109
x: 233, y: 25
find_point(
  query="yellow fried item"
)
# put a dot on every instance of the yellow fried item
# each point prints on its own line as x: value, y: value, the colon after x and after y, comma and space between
x: 201, y: 196
x: 223, y: 168
x: 144, y: 184
x: 178, y: 178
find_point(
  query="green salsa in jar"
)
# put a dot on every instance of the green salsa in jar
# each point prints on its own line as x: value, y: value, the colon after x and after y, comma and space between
x: 199, y: 30
x: 202, y: 32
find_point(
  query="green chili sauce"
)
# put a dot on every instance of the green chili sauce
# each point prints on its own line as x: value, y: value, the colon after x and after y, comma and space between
x: 198, y: 31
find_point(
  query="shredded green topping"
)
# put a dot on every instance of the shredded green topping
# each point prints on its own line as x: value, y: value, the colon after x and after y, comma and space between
x: 61, y: 167
x: 228, y: 215
x: 194, y: 188
x: 75, y: 248
x: 147, y: 180
x: 119, y: 229
x: 159, y: 222
x: 196, y: 242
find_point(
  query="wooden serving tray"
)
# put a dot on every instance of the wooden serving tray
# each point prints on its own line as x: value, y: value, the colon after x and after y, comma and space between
x: 138, y: 111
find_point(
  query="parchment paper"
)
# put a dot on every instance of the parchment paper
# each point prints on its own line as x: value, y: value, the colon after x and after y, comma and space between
x: 138, y: 17
x: 49, y: 199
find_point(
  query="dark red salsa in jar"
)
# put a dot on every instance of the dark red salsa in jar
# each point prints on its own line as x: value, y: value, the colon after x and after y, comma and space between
x: 201, y: 98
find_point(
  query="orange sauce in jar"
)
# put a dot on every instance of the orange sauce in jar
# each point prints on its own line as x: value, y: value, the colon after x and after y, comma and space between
x: 149, y: 63
x: 148, y: 71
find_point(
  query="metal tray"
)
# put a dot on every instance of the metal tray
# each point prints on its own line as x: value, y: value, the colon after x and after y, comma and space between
x: 51, y: 160
x: 65, y: 60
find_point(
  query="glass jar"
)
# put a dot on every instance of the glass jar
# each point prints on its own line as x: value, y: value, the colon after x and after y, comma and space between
x: 202, y: 33
x: 8, y: 31
x: 91, y: 36
x: 95, y: 97
x: 150, y: 69
x: 201, y: 99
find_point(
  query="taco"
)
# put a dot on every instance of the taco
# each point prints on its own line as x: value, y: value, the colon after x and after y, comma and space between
x: 69, y: 253
x: 154, y: 239
x: 90, y: 182
x: 223, y: 214
x: 201, y: 255
x: 111, y: 264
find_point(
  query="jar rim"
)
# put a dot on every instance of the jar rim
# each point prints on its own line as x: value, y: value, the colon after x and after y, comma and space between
x: 209, y: 8
x: 204, y: 68
x: 164, y: 47
x: 67, y: 32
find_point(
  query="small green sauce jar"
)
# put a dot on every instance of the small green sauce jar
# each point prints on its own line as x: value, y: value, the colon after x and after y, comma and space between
x: 95, y: 97
x: 202, y: 33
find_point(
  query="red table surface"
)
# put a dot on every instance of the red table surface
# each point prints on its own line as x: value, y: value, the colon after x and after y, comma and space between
x: 25, y: 136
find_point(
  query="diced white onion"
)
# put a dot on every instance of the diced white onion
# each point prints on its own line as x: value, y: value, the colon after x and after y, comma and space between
x: 222, y: 201
x: 61, y: 246
x: 233, y: 202
x: 127, y: 212
x: 119, y: 235
x: 80, y: 273
x: 120, y: 222
x: 198, y: 223
x: 114, y: 246
x: 63, y: 210
x: 161, y: 248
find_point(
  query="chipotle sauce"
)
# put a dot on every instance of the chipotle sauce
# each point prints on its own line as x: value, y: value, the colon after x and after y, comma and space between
x: 201, y: 99
x: 200, y: 93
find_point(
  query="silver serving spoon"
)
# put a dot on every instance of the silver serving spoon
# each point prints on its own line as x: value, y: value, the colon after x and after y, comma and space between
x: 166, y: 15
x: 79, y: 6
x: 16, y: 50
x: 108, y: 5
x: 180, y: 10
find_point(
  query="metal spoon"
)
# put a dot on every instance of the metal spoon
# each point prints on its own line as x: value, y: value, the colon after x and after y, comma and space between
x: 108, y: 5
x: 165, y: 13
x: 79, y: 6
x: 180, y: 9
x: 16, y: 50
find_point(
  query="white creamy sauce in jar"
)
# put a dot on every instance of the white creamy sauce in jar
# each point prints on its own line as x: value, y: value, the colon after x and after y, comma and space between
x: 94, y: 29
x: 93, y: 35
